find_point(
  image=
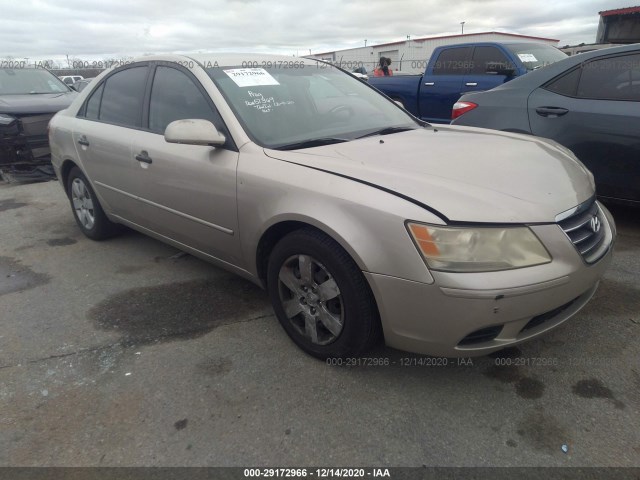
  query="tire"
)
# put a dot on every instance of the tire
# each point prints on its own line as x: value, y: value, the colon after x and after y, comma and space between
x: 86, y: 208
x: 321, y: 297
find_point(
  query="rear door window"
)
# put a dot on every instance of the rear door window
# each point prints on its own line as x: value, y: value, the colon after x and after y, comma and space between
x: 123, y: 97
x: 615, y: 78
x: 453, y: 61
x: 489, y: 57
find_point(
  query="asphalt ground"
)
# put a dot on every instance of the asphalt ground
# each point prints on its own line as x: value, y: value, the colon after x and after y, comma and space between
x: 128, y: 353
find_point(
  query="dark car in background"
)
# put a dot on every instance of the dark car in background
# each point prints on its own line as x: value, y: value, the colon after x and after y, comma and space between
x: 454, y: 70
x: 589, y: 103
x: 29, y: 97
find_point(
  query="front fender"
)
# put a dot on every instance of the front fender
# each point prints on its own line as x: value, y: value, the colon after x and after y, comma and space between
x: 368, y: 223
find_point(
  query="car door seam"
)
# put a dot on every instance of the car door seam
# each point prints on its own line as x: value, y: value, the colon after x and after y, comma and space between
x: 220, y: 228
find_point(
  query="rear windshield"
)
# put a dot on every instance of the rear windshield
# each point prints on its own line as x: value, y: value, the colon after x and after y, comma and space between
x: 29, y: 81
x: 535, y: 55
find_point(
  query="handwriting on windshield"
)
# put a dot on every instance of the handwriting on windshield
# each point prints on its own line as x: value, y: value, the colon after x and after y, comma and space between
x: 265, y: 104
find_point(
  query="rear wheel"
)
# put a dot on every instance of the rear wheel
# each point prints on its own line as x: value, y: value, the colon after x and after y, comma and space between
x: 86, y: 208
x: 321, y: 297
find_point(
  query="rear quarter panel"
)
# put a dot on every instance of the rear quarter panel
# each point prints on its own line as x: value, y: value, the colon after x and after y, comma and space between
x: 61, y: 142
x: 504, y: 109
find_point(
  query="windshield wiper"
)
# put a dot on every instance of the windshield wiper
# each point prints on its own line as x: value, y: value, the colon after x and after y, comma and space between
x: 316, y: 142
x: 387, y: 131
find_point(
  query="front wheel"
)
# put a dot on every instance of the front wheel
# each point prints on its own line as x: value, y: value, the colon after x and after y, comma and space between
x: 321, y: 297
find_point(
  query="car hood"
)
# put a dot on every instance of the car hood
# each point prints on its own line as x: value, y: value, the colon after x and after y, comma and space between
x: 36, y: 103
x: 466, y: 174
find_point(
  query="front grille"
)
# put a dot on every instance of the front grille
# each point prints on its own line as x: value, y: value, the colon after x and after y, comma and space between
x: 586, y: 230
x: 481, y: 336
x: 35, y: 125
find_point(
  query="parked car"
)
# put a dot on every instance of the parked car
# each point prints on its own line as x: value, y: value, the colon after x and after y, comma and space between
x: 454, y: 70
x: 355, y: 216
x: 71, y: 79
x: 81, y: 84
x: 590, y: 103
x: 360, y: 76
x: 361, y: 73
x: 29, y: 97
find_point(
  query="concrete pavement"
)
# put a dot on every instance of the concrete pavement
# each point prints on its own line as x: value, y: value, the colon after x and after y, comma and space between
x: 127, y: 353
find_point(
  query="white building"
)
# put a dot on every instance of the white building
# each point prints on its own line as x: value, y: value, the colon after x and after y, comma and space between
x: 412, y: 55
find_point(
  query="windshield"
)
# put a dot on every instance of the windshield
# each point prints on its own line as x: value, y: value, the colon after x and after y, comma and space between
x: 29, y: 81
x: 280, y: 107
x: 536, y: 55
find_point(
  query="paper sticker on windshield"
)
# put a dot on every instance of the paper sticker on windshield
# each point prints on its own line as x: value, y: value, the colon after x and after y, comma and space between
x: 527, y: 57
x: 265, y: 104
x: 251, y: 77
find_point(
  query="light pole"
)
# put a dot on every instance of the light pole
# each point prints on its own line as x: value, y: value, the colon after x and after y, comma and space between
x: 462, y: 25
x: 365, y: 42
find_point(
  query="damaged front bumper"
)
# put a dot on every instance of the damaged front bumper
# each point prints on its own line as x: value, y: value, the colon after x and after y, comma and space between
x: 24, y: 148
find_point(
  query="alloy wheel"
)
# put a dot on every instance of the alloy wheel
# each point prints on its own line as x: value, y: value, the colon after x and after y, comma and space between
x: 311, y: 299
x: 82, y: 203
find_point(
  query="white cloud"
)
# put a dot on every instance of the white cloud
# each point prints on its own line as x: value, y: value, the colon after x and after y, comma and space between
x: 47, y: 29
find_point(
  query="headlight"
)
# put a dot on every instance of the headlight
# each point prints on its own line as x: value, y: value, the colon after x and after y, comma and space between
x: 482, y: 249
x: 6, y: 120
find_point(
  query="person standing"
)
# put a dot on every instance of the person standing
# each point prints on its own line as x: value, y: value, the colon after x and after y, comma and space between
x: 387, y: 71
x: 383, y: 69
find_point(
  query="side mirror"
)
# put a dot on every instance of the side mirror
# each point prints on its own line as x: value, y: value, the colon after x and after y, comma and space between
x: 73, y: 87
x: 193, y: 132
x: 501, y: 69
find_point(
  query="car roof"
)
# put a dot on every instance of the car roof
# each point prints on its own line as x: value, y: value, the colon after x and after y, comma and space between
x: 495, y: 42
x: 246, y: 60
x: 543, y: 75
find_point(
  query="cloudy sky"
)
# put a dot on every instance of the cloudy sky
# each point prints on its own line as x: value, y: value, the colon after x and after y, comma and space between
x: 87, y: 29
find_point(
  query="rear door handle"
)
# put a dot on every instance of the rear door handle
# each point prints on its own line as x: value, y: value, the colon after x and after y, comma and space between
x: 472, y: 84
x: 144, y: 157
x: 83, y: 141
x: 429, y: 84
x: 551, y: 111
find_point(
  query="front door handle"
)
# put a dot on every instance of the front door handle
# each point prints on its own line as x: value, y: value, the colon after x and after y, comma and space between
x: 551, y: 111
x: 83, y: 141
x: 144, y: 157
x: 429, y: 84
x: 472, y: 84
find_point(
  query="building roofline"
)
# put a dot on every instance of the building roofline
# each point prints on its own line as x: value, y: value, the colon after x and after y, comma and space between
x: 515, y: 35
x: 424, y: 39
x: 619, y: 11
